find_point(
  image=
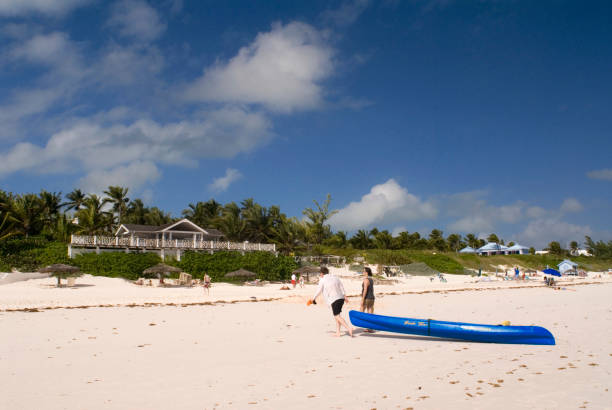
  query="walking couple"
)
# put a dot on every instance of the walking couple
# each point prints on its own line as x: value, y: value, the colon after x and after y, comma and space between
x: 333, y: 291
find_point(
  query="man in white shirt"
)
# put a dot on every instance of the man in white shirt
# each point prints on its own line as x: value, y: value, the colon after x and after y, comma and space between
x: 334, y: 295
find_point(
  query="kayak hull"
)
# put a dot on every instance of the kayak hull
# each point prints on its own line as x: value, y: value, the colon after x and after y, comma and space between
x: 533, y: 335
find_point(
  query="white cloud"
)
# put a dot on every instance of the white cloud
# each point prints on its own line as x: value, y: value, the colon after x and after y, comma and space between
x: 128, y: 65
x: 347, y: 13
x: 282, y: 70
x: 385, y: 204
x: 133, y: 176
x: 540, y: 232
x: 476, y: 214
x: 536, y: 212
x: 137, y: 20
x: 50, y: 7
x: 571, y: 205
x: 473, y: 223
x: 603, y: 174
x: 222, y: 183
x: 93, y: 145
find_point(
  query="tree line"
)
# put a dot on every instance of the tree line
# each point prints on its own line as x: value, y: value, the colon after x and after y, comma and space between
x: 56, y: 217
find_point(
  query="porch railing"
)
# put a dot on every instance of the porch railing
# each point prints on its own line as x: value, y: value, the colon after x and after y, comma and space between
x: 147, y: 243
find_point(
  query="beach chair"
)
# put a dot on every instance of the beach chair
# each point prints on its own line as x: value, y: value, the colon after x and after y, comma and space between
x: 185, y: 279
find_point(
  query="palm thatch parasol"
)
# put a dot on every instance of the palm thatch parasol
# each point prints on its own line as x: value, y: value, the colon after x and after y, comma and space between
x: 241, y: 273
x: 160, y: 269
x: 307, y: 271
x: 59, y: 270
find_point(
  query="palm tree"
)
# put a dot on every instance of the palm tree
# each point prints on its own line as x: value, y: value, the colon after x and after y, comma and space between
x: 383, y: 240
x: 204, y: 214
x: 231, y: 223
x: 76, y: 198
x: 287, y: 234
x: 93, y: 219
x: 6, y: 225
x: 26, y: 213
x: 258, y: 223
x: 136, y: 212
x: 63, y: 228
x: 156, y: 216
x: 454, y: 241
x: 317, y: 218
x: 361, y: 239
x: 118, y: 197
x: 50, y: 205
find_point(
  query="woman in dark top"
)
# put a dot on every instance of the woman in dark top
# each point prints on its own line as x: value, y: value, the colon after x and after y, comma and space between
x: 367, y: 292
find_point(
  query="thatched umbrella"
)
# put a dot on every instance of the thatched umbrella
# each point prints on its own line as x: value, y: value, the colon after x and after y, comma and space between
x: 160, y: 269
x: 241, y: 273
x: 307, y: 270
x: 59, y: 270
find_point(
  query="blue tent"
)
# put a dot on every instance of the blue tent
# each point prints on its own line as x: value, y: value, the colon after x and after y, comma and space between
x: 553, y: 272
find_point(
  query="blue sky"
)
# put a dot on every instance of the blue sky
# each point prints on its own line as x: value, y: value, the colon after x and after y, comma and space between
x: 484, y: 116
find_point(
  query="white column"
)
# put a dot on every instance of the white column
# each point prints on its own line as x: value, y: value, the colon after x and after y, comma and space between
x: 194, y: 240
x: 70, y: 250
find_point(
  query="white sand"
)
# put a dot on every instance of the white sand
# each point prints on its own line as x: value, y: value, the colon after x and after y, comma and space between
x: 93, y: 291
x: 280, y: 354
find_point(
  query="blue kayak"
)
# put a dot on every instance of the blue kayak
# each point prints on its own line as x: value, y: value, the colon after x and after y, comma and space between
x: 532, y: 335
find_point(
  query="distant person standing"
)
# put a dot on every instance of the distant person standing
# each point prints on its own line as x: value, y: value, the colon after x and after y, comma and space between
x: 207, y: 283
x: 301, y: 281
x: 516, y: 272
x: 333, y: 292
x: 367, y: 292
x: 293, y: 280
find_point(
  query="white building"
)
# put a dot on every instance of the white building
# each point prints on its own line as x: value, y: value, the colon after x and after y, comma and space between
x: 566, y: 266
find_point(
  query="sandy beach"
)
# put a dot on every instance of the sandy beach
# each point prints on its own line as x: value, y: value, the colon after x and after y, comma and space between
x: 198, y: 351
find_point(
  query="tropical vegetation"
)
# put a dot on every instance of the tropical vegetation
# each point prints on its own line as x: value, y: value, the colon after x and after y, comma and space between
x: 35, y: 228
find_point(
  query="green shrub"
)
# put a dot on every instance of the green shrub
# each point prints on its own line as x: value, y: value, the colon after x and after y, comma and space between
x: 30, y: 254
x: 116, y: 264
x: 264, y: 264
x: 388, y: 257
x: 439, y: 262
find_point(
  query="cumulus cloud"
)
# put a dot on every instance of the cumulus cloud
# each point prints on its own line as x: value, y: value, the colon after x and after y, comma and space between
x: 14, y: 8
x: 476, y: 214
x: 571, y: 205
x: 137, y: 20
x: 282, y: 69
x: 536, y: 212
x: 386, y: 203
x: 133, y: 176
x: 603, y: 174
x: 222, y: 183
x: 473, y: 223
x: 93, y: 145
x: 540, y: 232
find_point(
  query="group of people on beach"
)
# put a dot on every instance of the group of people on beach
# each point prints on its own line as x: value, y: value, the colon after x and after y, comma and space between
x: 334, y: 294
x: 297, y: 280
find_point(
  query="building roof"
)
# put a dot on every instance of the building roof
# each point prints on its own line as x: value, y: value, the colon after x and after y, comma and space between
x: 468, y: 249
x: 491, y: 246
x: 187, y: 224
x: 517, y: 247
